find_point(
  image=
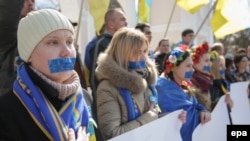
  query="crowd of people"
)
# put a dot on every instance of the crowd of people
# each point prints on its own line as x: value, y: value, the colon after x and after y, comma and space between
x: 43, y: 92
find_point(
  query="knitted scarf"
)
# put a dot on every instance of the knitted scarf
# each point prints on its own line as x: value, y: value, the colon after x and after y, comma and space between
x: 54, y: 124
x: 66, y: 89
x: 202, y: 80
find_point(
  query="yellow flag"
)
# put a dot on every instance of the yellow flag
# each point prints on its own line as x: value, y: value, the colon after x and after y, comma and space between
x: 192, y: 6
x: 144, y: 7
x: 98, y: 8
x: 230, y: 16
x: 218, y: 19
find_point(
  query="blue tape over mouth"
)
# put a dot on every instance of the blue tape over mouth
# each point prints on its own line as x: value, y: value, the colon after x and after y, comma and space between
x: 137, y: 65
x: 222, y: 72
x: 61, y: 64
x: 188, y: 75
x: 206, y: 68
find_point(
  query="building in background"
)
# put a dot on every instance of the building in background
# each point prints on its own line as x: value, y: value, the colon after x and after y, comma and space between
x: 181, y: 19
x: 160, y: 14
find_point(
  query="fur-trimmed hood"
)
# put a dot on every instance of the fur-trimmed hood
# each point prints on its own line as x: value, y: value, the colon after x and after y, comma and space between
x: 108, y: 69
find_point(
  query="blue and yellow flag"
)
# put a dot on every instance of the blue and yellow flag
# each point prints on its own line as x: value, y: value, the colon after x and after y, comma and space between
x: 144, y: 7
x: 192, y: 6
x: 98, y: 8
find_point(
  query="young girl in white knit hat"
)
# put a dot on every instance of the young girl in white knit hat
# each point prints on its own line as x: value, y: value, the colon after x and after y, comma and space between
x: 46, y: 102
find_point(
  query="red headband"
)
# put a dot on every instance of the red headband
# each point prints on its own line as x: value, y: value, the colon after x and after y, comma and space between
x: 199, y: 51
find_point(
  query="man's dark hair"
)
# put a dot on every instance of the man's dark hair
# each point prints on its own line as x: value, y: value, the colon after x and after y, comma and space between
x: 141, y: 26
x: 186, y: 31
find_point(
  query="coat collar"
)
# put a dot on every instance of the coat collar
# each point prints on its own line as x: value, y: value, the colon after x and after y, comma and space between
x: 108, y: 69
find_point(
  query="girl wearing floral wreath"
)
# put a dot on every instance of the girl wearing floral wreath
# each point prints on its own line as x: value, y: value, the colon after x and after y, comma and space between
x: 174, y: 91
x: 202, y: 80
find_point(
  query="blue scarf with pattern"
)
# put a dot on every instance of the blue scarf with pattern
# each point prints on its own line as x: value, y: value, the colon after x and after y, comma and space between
x: 132, y: 106
x: 54, y: 124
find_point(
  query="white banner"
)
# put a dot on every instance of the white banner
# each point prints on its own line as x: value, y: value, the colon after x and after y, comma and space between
x: 216, y: 129
x: 241, y: 110
x: 165, y: 128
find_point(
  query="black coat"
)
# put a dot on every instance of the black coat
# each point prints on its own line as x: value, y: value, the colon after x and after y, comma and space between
x: 216, y: 90
x: 99, y: 46
x: 15, y: 122
x: 9, y: 18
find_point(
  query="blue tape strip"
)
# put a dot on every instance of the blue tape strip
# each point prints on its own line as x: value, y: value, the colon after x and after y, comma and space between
x: 137, y: 65
x: 206, y: 68
x: 222, y: 72
x: 61, y: 64
x: 189, y: 74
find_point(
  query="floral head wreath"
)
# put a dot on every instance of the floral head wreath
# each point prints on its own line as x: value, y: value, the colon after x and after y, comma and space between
x: 199, y: 51
x: 213, y: 55
x: 175, y: 55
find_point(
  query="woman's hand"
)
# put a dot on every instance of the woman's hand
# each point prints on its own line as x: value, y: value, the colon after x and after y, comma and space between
x: 229, y: 101
x: 183, y: 116
x: 205, y: 116
x: 81, y: 135
x: 152, y: 107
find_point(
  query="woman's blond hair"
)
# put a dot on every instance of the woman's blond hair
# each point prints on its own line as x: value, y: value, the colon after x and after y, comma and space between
x: 215, y: 65
x: 127, y: 42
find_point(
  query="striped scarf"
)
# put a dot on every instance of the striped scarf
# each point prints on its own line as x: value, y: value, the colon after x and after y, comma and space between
x: 54, y: 124
x: 202, y: 80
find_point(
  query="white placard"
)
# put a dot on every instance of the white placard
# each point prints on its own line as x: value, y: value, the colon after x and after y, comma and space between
x: 241, y: 110
x: 165, y: 128
x: 216, y: 129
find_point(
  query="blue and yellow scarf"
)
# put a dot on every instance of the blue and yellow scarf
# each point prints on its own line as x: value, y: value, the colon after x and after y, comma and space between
x: 133, y: 106
x: 54, y: 124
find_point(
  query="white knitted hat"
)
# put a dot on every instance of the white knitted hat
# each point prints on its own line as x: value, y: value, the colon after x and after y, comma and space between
x: 35, y: 26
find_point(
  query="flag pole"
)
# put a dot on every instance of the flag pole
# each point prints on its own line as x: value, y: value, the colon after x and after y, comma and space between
x: 170, y: 18
x: 203, y: 22
x: 78, y: 55
x: 79, y: 22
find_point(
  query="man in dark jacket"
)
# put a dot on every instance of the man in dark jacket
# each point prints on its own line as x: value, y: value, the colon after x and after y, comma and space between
x: 10, y: 13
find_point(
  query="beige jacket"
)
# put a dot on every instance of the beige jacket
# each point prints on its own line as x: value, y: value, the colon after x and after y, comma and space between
x: 111, y: 108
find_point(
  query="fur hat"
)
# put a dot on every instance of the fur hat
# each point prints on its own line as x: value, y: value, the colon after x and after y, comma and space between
x: 35, y: 26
